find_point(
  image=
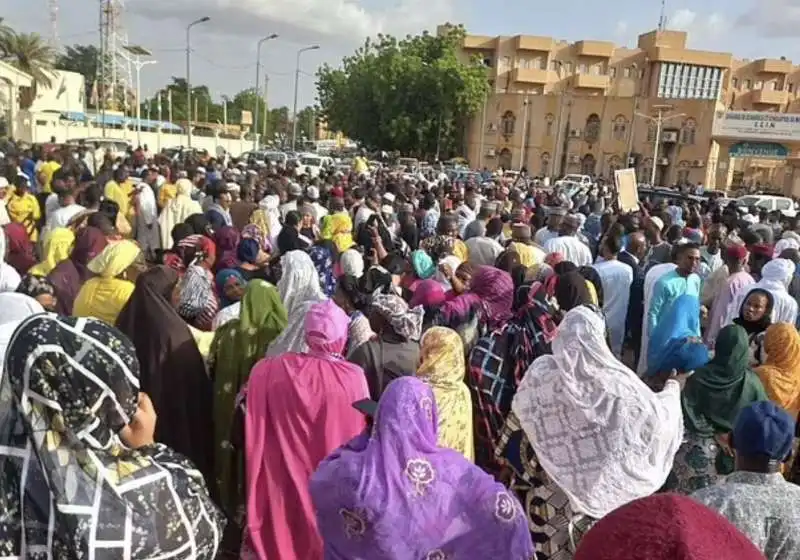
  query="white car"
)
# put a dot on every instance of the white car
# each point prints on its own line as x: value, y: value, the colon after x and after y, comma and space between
x: 785, y: 205
x: 312, y: 164
x: 583, y: 180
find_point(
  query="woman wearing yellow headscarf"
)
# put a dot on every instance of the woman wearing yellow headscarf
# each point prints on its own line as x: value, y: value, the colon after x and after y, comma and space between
x: 443, y: 367
x: 780, y: 374
x: 338, y: 228
x: 56, y: 248
x: 105, y: 295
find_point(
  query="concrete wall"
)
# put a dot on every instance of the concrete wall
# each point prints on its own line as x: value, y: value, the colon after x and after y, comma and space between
x: 66, y: 94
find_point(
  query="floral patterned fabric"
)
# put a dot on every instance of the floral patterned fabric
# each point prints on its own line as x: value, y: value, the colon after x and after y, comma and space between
x: 71, y: 488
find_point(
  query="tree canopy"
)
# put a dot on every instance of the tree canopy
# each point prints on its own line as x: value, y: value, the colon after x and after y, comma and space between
x: 29, y: 53
x: 413, y: 95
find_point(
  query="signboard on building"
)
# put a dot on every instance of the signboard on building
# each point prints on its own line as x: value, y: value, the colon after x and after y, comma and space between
x: 766, y: 150
x: 757, y: 125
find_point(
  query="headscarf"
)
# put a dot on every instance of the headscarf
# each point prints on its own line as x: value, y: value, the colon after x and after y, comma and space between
x: 69, y: 275
x: 775, y: 278
x: 194, y: 249
x: 247, y: 251
x: 224, y: 278
x: 17, y: 306
x: 582, y: 397
x: 106, y: 294
x: 429, y: 294
x: 35, y: 286
x: 237, y: 346
x: 20, y: 248
x: 56, y: 248
x: 339, y: 229
x: 299, y: 411
x: 405, y: 322
x: 200, y: 225
x: 300, y: 289
x: 173, y: 372
x: 665, y: 527
x: 491, y: 294
x: 780, y: 374
x: 70, y: 386
x: 270, y: 209
x: 255, y: 231
x: 593, y: 277
x: 680, y: 321
x: 442, y: 366
x: 197, y: 300
x: 9, y: 277
x: 717, y: 391
x: 177, y: 210
x: 393, y: 493
x: 570, y: 290
x: 352, y: 263
x: 761, y: 325
x: 227, y: 241
x: 322, y: 257
x: 423, y: 264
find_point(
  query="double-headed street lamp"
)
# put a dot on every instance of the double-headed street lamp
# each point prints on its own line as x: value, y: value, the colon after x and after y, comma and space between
x: 189, y: 76
x: 659, y: 120
x: 258, y: 88
x: 138, y: 51
x: 296, y: 84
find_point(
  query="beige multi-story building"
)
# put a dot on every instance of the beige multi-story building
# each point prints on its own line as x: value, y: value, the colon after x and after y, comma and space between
x: 558, y: 107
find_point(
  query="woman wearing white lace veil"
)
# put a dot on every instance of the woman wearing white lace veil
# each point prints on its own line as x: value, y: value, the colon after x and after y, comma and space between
x: 597, y: 430
x: 300, y: 289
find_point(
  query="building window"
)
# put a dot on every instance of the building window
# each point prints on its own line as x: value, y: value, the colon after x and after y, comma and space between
x: 683, y: 172
x: 748, y: 84
x: 555, y: 65
x: 620, y: 127
x: 735, y: 83
x: 588, y: 164
x: 591, y: 132
x: 688, y: 131
x: 790, y: 87
x: 508, y: 123
x: 645, y: 169
x: 614, y: 164
x: 772, y: 86
x: 568, y: 67
x: 651, y: 133
x: 549, y: 119
x: 759, y: 84
x: 641, y: 73
x: 488, y: 62
x: 543, y: 64
x: 583, y: 69
x: 612, y: 72
x: 686, y: 81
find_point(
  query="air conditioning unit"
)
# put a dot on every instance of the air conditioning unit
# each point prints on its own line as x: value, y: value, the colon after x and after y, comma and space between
x: 663, y: 161
x: 491, y: 128
x: 698, y: 163
x: 490, y: 152
x: 669, y: 137
x: 575, y: 133
x: 574, y: 158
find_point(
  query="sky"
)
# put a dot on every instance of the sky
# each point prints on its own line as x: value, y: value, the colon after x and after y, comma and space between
x: 224, y: 49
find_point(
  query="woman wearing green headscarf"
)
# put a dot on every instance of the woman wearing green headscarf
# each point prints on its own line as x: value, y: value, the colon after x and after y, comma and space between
x: 711, y: 400
x: 237, y: 346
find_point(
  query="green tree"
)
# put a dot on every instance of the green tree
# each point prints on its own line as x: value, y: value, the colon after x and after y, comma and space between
x: 413, y: 95
x: 207, y: 110
x: 83, y: 59
x: 307, y: 123
x: 29, y: 53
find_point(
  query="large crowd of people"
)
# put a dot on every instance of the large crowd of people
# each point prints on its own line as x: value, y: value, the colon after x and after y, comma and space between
x: 233, y: 359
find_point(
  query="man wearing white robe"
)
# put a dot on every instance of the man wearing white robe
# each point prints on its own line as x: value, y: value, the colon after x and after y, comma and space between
x: 568, y: 244
x: 616, y: 278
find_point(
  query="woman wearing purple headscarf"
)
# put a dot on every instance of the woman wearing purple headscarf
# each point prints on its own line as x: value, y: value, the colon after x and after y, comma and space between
x: 394, y: 494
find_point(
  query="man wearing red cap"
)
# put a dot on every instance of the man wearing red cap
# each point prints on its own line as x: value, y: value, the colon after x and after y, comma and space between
x: 737, y: 280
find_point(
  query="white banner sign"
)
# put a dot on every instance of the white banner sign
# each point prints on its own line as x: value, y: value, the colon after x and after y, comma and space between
x: 757, y: 125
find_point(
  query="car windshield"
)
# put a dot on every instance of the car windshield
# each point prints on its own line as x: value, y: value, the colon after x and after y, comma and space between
x: 310, y: 161
x: 274, y: 156
x: 747, y: 201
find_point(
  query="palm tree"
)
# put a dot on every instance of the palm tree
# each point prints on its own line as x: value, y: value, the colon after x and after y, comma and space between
x: 29, y: 53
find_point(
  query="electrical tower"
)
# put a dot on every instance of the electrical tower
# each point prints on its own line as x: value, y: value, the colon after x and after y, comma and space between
x: 52, y: 7
x: 115, y: 65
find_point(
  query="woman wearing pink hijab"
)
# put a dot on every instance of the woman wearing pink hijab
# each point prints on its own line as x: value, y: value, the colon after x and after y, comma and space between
x: 299, y: 410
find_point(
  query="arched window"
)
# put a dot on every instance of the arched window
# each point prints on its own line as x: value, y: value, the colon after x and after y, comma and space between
x: 645, y: 170
x: 620, y: 128
x: 688, y: 131
x: 508, y: 123
x: 592, y: 131
x: 504, y: 158
x: 683, y: 172
x: 545, y: 163
x: 588, y: 164
x: 614, y: 164
x: 651, y: 133
x: 549, y: 119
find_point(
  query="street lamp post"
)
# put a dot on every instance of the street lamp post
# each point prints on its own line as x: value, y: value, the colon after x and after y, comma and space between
x: 189, y: 76
x: 139, y: 51
x: 524, y: 143
x: 659, y: 119
x: 296, y: 84
x: 558, y: 155
x: 258, y: 85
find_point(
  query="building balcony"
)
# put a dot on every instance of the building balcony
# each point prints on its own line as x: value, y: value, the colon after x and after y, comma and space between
x: 596, y: 49
x: 589, y: 81
x: 529, y: 76
x: 772, y: 66
x: 533, y: 43
x: 479, y: 42
x: 769, y: 97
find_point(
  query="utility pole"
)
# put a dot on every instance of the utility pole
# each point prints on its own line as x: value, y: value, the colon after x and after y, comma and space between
x: 659, y: 119
x: 189, y: 77
x: 524, y: 143
x: 296, y: 85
